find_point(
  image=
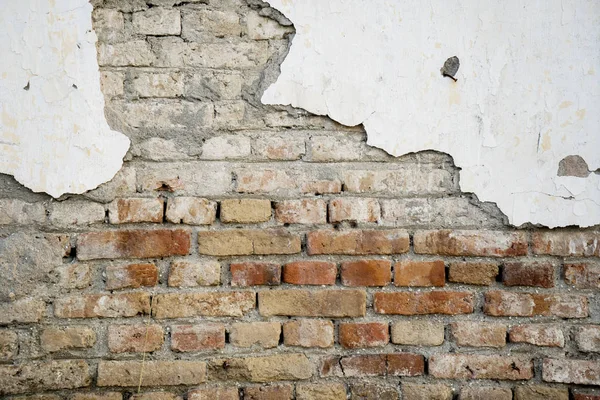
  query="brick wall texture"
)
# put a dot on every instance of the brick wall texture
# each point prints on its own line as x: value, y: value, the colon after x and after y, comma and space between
x: 254, y: 252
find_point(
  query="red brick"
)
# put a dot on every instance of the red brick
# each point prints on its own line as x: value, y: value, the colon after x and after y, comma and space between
x: 580, y: 372
x: 566, y: 243
x: 310, y: 273
x: 419, y: 273
x: 583, y: 275
x: 405, y: 364
x: 236, y: 242
x: 539, y: 335
x: 122, y: 211
x: 135, y: 338
x: 528, y: 274
x: 252, y: 274
x: 305, y: 211
x: 133, y: 244
x: 504, y: 304
x: 304, y: 303
x: 207, y: 336
x: 479, y: 334
x: 219, y: 304
x: 416, y: 303
x: 155, y: 373
x: 362, y: 335
x: 354, y: 209
x: 473, y: 273
x: 471, y: 243
x: 214, y: 393
x: 366, y: 273
x: 269, y: 392
x: 308, y: 333
x: 131, y: 276
x: 99, y: 305
x: 358, y: 242
x: 364, y: 365
x: 586, y: 395
x: 470, y: 366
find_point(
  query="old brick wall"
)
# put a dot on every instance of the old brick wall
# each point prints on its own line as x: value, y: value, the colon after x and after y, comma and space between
x: 253, y: 252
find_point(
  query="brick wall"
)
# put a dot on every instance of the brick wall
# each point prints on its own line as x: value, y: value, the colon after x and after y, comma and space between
x: 253, y: 252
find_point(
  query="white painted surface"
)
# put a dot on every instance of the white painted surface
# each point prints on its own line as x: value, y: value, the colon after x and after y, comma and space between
x: 53, y: 137
x: 528, y: 90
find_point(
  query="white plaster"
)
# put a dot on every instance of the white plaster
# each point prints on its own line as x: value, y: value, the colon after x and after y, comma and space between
x: 54, y: 137
x: 528, y: 90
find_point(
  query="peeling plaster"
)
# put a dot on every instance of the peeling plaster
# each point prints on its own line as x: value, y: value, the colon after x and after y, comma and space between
x: 54, y: 137
x: 527, y: 94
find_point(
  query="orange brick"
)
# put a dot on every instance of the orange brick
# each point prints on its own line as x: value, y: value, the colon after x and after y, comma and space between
x: 366, y: 273
x: 252, y: 274
x: 362, y: 335
x: 131, y: 276
x: 471, y: 243
x: 354, y: 209
x: 566, y: 243
x: 310, y: 273
x: 504, y: 304
x: 405, y: 364
x: 419, y: 273
x: 122, y: 211
x: 207, y: 336
x: 358, y: 242
x: 583, y: 275
x: 415, y: 303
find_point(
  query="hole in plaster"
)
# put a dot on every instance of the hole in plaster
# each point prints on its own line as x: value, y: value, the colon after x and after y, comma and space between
x: 26, y: 87
x: 573, y: 165
x: 450, y: 67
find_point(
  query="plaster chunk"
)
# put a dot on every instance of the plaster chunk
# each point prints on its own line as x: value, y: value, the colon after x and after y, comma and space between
x: 526, y: 94
x: 53, y: 134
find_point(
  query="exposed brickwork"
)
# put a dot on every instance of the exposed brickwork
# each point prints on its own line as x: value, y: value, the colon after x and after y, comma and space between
x: 246, y: 251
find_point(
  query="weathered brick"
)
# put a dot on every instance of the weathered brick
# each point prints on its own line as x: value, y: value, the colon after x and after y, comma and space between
x: 17, y: 212
x: 473, y: 273
x: 471, y: 366
x: 371, y: 391
x: 500, y: 303
x: 588, y: 338
x: 322, y: 187
x: 280, y: 367
x: 214, y: 85
x: 471, y: 243
x: 485, y: 392
x: 261, y: 28
x: 304, y: 303
x: 586, y: 395
x: 566, y: 243
x: 185, y: 273
x: 363, y: 365
x: 405, y: 364
x: 226, y: 147
x: 214, y: 392
x: 108, y: 24
x: 42, y: 376
x: 133, y: 244
x: 135, y: 338
x: 246, y: 242
x: 156, y: 373
x: 76, y: 212
x: 208, y: 336
x: 304, y: 211
x: 321, y: 391
x: 538, y: 392
x: 418, y: 333
x: 479, y: 334
x: 528, y: 274
x: 362, y: 335
x: 67, y: 338
x: 269, y: 392
x: 131, y: 276
x: 153, y: 84
x: 358, y: 242
x: 100, y: 305
x: 75, y: 276
x: 157, y: 21
x: 135, y: 53
x: 419, y: 273
x: 249, y: 334
x: 96, y: 396
x: 183, y: 305
x: 415, y: 391
x: 310, y: 273
x: 415, y: 303
x: 206, y: 25
x: 539, y: 335
x: 245, y: 211
x: 23, y: 310
x: 580, y: 372
x: 255, y: 273
x: 583, y: 275
x: 155, y: 396
x: 411, y: 179
x: 191, y: 211
x: 284, y: 147
x: 354, y: 209
x: 9, y: 345
x: 366, y: 273
x: 123, y: 211
x: 308, y: 333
